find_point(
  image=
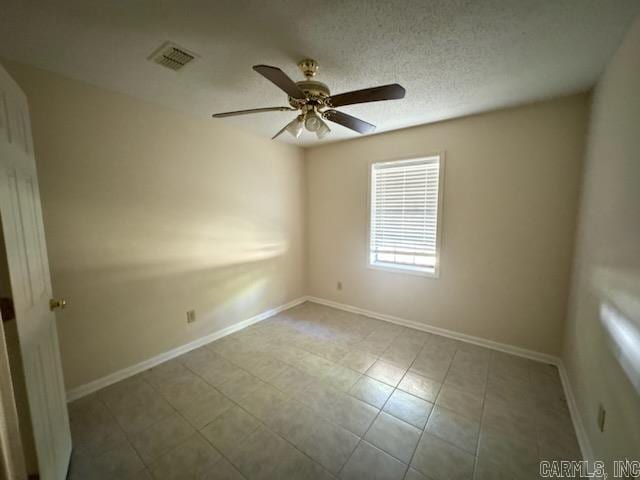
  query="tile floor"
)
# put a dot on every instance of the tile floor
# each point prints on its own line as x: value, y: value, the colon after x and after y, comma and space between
x: 320, y: 393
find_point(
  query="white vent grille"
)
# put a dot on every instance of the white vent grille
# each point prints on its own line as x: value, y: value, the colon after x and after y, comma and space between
x: 172, y: 56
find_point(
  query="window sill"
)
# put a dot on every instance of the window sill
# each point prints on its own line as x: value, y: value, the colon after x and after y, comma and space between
x: 389, y: 267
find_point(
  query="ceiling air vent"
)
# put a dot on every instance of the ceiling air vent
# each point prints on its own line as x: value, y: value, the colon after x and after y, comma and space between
x: 172, y: 56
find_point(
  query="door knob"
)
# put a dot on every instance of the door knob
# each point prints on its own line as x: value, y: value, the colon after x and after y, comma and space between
x: 57, y: 303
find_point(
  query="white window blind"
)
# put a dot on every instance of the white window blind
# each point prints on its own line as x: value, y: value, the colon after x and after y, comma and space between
x: 404, y: 214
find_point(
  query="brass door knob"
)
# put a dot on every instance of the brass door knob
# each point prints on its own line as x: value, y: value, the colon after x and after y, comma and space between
x: 57, y: 303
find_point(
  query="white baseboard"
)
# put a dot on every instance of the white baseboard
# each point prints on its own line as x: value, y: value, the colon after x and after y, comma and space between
x: 576, y: 418
x: 87, y: 388
x: 483, y: 342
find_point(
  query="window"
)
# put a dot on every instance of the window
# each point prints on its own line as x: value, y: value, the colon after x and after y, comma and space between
x: 405, y: 201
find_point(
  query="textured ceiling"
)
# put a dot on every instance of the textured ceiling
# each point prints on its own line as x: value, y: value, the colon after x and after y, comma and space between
x: 454, y: 57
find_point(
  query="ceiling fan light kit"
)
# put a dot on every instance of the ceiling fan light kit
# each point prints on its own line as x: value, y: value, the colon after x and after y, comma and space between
x: 323, y: 131
x: 314, y: 102
x: 296, y: 126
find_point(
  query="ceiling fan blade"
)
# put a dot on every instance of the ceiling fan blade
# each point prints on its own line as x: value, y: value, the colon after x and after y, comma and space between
x: 253, y: 110
x: 375, y: 94
x: 280, y: 132
x: 349, y: 121
x: 280, y: 80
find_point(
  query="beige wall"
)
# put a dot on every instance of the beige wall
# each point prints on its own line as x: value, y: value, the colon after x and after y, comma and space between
x: 510, y: 197
x: 607, y: 267
x: 149, y: 213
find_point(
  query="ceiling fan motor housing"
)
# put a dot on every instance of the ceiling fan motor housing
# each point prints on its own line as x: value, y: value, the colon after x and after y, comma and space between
x: 312, y: 89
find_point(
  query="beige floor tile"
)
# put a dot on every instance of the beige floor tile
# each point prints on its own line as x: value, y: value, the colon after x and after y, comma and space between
x: 89, y: 405
x: 231, y: 428
x: 292, y: 419
x: 121, y: 462
x: 161, y: 437
x: 358, y: 360
x: 408, y: 408
x: 263, y: 402
x: 128, y: 392
x: 420, y: 386
x: 413, y: 474
x: 440, y: 344
x: 292, y: 381
x: 315, y: 365
x: 301, y: 372
x: 456, y: 429
x: 467, y: 383
x: 169, y: 371
x: 81, y: 467
x: 341, y: 377
x: 265, y: 455
x: 204, y: 411
x: 562, y: 447
x: 515, y: 370
x: 331, y: 351
x: 223, y: 470
x: 185, y: 390
x: 371, y: 463
x: 241, y: 384
x: 401, y: 355
x: 214, y: 369
x: 471, y: 363
x: 487, y: 469
x: 266, y: 367
x: 371, y: 391
x: 259, y: 456
x: 135, y: 404
x: 502, y: 391
x: 288, y: 354
x: 515, y: 379
x: 441, y: 460
x: 198, y: 355
x: 556, y: 435
x: 94, y: 429
x: 411, y: 340
x: 372, y: 346
x: 338, y: 407
x: 328, y: 444
x: 190, y: 459
x: 137, y: 417
x: 351, y: 413
x: 515, y: 422
x: 507, y: 456
x: 434, y: 368
x: 225, y: 345
x: 317, y: 395
x: 461, y: 402
x: 298, y: 465
x: 386, y: 372
x: 394, y: 437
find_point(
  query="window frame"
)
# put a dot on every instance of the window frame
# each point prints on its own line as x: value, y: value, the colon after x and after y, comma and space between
x: 408, y: 269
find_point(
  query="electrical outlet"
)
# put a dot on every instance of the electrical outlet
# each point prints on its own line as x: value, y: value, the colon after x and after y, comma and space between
x: 191, y: 316
x: 602, y: 413
x: 339, y: 286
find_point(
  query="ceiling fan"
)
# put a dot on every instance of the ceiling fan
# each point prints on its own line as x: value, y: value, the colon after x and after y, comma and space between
x: 314, y: 102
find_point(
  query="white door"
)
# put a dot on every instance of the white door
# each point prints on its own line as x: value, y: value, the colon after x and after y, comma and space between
x: 31, y: 284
